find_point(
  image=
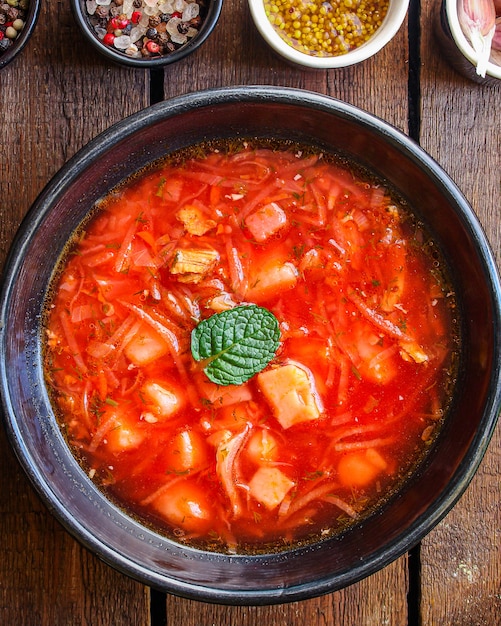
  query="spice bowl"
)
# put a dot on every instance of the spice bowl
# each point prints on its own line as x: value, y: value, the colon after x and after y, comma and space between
x: 146, y: 33
x: 327, y: 38
x: 458, y: 51
x: 13, y: 38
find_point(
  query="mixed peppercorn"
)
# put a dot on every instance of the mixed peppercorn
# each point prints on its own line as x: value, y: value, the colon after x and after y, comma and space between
x: 323, y: 28
x: 145, y: 28
x: 12, y: 19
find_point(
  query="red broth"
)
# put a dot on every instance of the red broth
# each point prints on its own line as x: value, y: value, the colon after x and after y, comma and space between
x: 331, y: 426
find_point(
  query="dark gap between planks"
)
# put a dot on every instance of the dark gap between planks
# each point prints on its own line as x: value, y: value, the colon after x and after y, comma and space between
x: 156, y: 85
x: 158, y: 608
x: 158, y: 599
x: 414, y: 85
x: 414, y: 129
x: 414, y: 592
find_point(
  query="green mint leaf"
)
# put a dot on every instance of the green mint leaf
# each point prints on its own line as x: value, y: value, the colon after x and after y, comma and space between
x: 236, y: 344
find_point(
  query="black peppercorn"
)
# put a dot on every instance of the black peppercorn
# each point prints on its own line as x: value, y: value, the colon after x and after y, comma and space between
x: 102, y: 11
x: 196, y: 22
x: 12, y: 14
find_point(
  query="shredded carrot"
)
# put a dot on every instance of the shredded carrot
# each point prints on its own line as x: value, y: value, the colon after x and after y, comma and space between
x: 168, y: 334
x: 72, y: 342
x: 125, y: 247
x: 101, y: 432
x: 381, y: 322
x: 363, y: 445
x: 261, y: 196
x: 238, y: 280
x: 148, y: 238
x: 341, y: 504
x: 292, y: 505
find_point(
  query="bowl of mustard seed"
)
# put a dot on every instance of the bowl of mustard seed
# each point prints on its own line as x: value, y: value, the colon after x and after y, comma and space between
x: 323, y: 34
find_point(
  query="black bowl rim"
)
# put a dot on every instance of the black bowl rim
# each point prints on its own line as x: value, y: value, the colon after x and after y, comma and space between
x: 211, y: 19
x: 466, y: 469
x: 31, y: 20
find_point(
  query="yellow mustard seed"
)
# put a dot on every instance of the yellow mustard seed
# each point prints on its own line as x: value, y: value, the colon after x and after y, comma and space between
x: 326, y: 28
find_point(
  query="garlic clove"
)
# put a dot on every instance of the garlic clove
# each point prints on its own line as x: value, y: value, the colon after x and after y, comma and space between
x: 478, y: 22
x: 496, y: 40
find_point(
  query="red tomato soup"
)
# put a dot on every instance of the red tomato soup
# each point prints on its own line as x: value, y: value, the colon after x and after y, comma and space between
x: 352, y: 397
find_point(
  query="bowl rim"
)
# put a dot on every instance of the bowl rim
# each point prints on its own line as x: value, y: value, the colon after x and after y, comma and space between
x: 208, y: 25
x: 392, y: 22
x: 169, y: 583
x: 20, y: 42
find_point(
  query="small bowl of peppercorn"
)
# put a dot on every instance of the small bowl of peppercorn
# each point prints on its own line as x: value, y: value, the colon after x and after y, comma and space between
x: 146, y: 33
x: 327, y: 34
x: 17, y: 22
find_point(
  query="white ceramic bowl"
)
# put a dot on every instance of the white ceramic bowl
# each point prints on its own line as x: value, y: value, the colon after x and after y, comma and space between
x: 458, y: 50
x: 397, y: 11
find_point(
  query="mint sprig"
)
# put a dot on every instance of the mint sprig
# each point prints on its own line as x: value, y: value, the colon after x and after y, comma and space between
x: 236, y: 344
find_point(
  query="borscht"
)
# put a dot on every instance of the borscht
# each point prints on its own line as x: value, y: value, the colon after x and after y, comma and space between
x: 250, y: 345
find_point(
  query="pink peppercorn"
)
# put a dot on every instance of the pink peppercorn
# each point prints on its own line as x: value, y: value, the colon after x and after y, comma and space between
x: 108, y: 39
x: 118, y: 23
x: 153, y: 47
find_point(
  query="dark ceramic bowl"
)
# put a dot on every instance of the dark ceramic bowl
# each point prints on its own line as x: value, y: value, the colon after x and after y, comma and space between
x: 29, y: 419
x: 210, y: 13
x: 22, y: 39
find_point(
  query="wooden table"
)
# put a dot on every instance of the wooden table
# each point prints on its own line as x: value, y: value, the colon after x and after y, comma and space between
x: 56, y: 96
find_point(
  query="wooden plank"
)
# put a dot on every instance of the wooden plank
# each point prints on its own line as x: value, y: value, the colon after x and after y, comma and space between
x: 56, y: 96
x: 461, y: 558
x: 377, y: 600
x: 46, y: 577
